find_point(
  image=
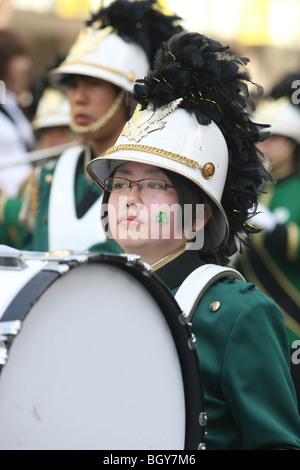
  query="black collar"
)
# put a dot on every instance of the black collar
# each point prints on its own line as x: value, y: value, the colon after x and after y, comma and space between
x: 174, y: 273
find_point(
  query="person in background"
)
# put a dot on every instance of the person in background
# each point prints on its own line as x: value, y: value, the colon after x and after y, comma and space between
x: 16, y: 135
x: 178, y: 185
x: 115, y: 47
x: 52, y: 120
x: 272, y: 260
x: 51, y: 125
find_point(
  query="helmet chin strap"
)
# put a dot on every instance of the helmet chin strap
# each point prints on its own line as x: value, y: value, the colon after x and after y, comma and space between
x: 101, y: 122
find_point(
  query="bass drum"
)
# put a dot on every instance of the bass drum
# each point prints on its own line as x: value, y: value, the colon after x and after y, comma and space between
x: 95, y: 356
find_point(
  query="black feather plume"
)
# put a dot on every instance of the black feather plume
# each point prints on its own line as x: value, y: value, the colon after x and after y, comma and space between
x: 213, y: 83
x: 140, y: 21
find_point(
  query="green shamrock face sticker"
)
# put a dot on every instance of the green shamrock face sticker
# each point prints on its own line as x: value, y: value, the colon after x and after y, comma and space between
x: 161, y: 218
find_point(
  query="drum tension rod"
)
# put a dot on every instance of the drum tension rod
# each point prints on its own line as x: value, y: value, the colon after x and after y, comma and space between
x: 11, y: 261
x: 203, y: 424
x: 192, y: 342
x: 9, y: 328
x: 132, y: 260
x: 203, y: 419
x: 184, y: 319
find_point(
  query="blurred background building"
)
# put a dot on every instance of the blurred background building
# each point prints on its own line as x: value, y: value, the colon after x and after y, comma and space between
x: 266, y: 31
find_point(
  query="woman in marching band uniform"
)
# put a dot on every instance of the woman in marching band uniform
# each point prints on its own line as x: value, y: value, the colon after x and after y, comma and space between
x: 190, y: 145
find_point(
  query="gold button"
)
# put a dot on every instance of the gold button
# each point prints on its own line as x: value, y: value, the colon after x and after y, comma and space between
x: 214, y: 306
x: 48, y: 178
x: 131, y: 76
x: 208, y: 171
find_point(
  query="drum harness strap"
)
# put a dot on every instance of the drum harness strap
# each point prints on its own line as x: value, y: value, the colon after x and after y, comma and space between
x: 198, y: 282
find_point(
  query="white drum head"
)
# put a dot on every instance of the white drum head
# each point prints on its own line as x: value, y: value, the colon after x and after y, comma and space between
x: 94, y: 366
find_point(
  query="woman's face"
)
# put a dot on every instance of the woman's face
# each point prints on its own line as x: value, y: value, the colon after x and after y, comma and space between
x: 145, y: 221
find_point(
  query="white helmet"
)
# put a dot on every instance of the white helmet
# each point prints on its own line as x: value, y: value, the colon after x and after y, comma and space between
x: 118, y: 43
x: 282, y: 116
x: 105, y: 55
x: 53, y: 110
x: 172, y: 139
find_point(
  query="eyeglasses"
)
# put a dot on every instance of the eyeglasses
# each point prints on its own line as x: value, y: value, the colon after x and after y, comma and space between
x: 123, y: 185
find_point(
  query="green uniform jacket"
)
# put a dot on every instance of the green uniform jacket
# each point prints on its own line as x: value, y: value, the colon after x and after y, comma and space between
x: 273, y: 260
x: 244, y: 359
x: 10, y: 228
x: 38, y: 240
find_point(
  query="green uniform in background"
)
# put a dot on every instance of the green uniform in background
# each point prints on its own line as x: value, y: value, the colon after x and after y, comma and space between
x: 10, y: 227
x: 272, y: 261
x: 85, y: 194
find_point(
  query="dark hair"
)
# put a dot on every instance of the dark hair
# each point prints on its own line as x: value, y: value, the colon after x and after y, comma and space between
x: 188, y: 194
x: 11, y: 45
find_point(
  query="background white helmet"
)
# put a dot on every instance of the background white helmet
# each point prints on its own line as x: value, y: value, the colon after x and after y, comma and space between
x: 53, y: 110
x: 282, y: 116
x: 105, y: 55
x: 118, y: 43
